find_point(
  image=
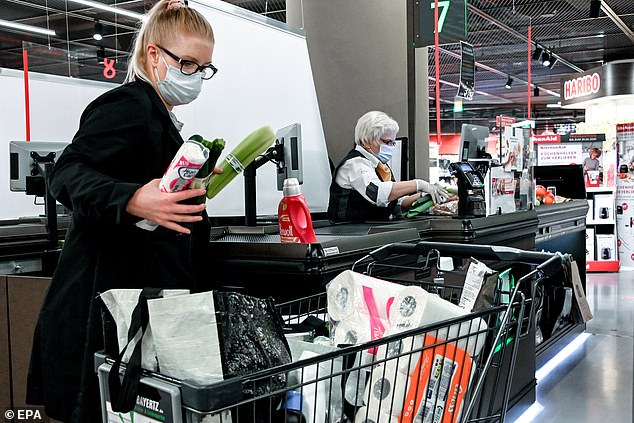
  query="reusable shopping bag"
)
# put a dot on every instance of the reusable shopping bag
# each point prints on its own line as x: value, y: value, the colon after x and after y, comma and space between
x: 199, y: 338
x: 251, y: 338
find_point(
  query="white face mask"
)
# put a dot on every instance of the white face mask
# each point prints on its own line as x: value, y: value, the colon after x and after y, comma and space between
x: 178, y: 88
x: 385, y: 153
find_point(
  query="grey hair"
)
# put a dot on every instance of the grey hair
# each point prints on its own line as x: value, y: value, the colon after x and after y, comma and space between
x: 372, y: 126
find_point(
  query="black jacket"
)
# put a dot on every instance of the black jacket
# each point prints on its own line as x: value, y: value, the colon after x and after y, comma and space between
x: 125, y: 139
x: 349, y: 205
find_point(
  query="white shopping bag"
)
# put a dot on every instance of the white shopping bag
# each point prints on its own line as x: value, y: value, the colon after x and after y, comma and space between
x: 120, y: 303
x: 185, y: 337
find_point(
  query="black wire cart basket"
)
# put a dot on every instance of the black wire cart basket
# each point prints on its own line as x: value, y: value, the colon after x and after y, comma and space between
x: 455, y: 370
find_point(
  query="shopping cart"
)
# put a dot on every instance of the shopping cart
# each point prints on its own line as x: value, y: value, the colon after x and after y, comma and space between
x: 455, y: 370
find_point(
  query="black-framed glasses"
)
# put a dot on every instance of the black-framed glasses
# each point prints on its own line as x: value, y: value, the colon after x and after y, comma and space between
x: 389, y: 142
x: 189, y: 68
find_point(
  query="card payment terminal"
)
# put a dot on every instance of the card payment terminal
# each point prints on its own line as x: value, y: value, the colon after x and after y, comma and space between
x: 471, y: 200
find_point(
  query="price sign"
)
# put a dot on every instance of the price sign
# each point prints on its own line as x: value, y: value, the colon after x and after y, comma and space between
x: 452, y: 21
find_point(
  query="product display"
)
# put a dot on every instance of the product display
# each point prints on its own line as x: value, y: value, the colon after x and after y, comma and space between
x: 602, y: 251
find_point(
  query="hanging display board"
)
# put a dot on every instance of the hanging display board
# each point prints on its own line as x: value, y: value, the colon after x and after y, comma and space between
x: 466, y: 88
x: 452, y: 22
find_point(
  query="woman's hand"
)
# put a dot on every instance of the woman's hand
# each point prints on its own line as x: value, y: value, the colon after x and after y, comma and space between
x: 149, y: 202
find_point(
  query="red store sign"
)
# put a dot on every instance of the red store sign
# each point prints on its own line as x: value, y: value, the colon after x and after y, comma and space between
x: 583, y: 86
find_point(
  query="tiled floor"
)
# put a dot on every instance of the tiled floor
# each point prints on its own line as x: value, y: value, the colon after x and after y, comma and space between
x: 595, y: 383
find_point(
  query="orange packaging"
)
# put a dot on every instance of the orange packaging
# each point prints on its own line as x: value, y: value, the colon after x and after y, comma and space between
x: 437, y: 385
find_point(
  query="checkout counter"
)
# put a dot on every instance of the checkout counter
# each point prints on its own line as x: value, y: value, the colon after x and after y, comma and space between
x: 248, y: 258
x: 253, y: 260
x: 27, y: 261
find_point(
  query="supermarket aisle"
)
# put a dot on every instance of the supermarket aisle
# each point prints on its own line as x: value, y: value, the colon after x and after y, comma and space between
x: 595, y: 383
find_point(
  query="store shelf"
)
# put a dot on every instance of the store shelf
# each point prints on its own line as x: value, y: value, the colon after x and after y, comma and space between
x: 602, y: 266
x: 600, y: 189
x: 601, y: 222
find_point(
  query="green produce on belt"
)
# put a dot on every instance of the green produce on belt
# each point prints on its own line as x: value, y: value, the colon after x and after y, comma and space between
x: 420, y: 206
x: 202, y: 178
x: 240, y: 157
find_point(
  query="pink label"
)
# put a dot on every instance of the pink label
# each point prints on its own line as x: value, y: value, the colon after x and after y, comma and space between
x: 376, y: 326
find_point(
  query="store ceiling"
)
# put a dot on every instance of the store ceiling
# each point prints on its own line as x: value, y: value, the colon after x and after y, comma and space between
x: 497, y: 29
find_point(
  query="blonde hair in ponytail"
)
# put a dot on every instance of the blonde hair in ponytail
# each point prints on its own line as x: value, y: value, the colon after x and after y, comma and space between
x: 162, y: 22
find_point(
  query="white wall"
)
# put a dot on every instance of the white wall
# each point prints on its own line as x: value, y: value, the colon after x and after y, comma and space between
x: 56, y: 104
x: 264, y: 78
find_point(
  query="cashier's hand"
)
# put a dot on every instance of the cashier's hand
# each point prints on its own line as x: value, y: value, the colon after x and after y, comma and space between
x: 149, y: 202
x: 438, y: 195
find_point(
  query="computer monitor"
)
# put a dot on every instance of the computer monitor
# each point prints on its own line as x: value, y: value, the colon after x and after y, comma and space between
x: 568, y: 180
x: 473, y: 142
x: 26, y: 159
x: 289, y: 142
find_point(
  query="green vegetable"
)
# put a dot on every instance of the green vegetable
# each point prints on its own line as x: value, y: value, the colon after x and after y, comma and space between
x: 420, y: 206
x: 204, y: 173
x: 240, y: 157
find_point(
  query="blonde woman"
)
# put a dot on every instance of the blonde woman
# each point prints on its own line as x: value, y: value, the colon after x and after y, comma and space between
x: 108, y: 177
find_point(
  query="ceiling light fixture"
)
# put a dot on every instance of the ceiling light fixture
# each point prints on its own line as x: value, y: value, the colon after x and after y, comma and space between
x: 546, y: 59
x: 509, y: 82
x: 98, y: 33
x: 29, y: 28
x: 537, y: 53
x: 107, y: 8
x: 553, y: 60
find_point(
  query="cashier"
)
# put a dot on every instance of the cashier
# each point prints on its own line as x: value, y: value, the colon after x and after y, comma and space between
x: 363, y: 186
x: 108, y: 177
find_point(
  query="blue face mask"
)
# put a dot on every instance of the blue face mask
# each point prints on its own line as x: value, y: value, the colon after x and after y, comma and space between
x: 385, y: 153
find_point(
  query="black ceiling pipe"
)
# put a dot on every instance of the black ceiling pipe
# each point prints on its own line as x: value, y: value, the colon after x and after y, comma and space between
x: 595, y: 7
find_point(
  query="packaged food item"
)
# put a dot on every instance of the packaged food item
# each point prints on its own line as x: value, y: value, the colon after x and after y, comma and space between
x: 186, y: 163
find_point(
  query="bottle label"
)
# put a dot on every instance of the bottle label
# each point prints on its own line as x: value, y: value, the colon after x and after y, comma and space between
x: 286, y: 227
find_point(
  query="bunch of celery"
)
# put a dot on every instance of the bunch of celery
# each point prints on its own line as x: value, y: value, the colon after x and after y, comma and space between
x: 240, y: 157
x: 202, y: 178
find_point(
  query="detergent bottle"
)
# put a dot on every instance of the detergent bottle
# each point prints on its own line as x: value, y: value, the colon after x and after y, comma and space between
x: 296, y: 224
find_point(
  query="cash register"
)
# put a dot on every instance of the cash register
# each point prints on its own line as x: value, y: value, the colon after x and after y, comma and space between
x: 471, y: 202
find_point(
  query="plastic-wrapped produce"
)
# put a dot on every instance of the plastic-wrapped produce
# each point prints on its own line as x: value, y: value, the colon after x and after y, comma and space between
x: 450, y: 208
